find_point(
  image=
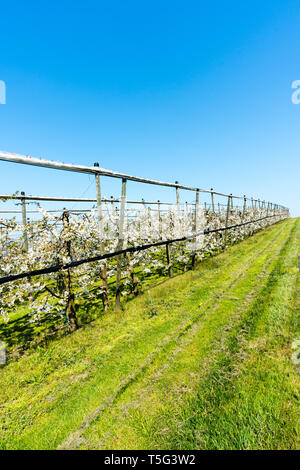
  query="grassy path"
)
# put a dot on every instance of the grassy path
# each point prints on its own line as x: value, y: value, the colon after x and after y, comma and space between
x: 211, y: 370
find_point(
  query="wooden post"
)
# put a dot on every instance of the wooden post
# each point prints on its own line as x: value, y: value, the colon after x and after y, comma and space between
x: 196, y: 228
x: 178, y: 200
x: 100, y: 227
x: 120, y: 244
x: 197, y: 211
x: 180, y: 220
x: 24, y: 221
x: 116, y: 209
x: 134, y: 284
x: 212, y: 201
x: 149, y: 217
x: 231, y: 200
x: 245, y: 206
x: 168, y: 261
x: 70, y: 307
x: 159, y: 218
x: 213, y: 213
x: 112, y: 205
x: 226, y: 222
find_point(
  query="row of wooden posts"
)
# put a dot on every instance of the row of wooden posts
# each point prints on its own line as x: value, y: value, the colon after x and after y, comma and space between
x: 120, y: 245
x: 70, y: 309
x: 96, y: 170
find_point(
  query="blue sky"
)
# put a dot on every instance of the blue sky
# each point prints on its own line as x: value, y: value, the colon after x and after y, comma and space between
x: 193, y: 91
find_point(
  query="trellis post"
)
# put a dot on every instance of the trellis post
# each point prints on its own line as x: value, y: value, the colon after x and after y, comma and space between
x: 226, y: 222
x: 70, y: 307
x: 120, y: 243
x: 24, y: 220
x: 170, y: 271
x: 212, y: 200
x: 103, y: 269
x: 245, y: 205
x: 196, y: 227
x: 178, y: 200
x: 112, y: 205
x: 159, y: 218
x: 180, y: 217
x: 149, y: 217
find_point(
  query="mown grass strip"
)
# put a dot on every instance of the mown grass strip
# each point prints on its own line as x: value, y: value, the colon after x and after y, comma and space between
x: 167, y: 344
x: 47, y: 394
x: 249, y: 397
x: 132, y: 422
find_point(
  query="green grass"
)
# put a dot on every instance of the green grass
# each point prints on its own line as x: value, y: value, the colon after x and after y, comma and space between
x: 211, y: 369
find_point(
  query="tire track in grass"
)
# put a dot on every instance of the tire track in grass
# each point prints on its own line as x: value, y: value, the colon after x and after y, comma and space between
x: 209, y: 427
x: 75, y: 440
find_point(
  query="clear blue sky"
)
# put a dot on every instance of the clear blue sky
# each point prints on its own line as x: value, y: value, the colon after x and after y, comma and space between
x: 193, y: 91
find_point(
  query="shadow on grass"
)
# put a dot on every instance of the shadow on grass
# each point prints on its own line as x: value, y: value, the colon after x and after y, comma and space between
x: 23, y: 333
